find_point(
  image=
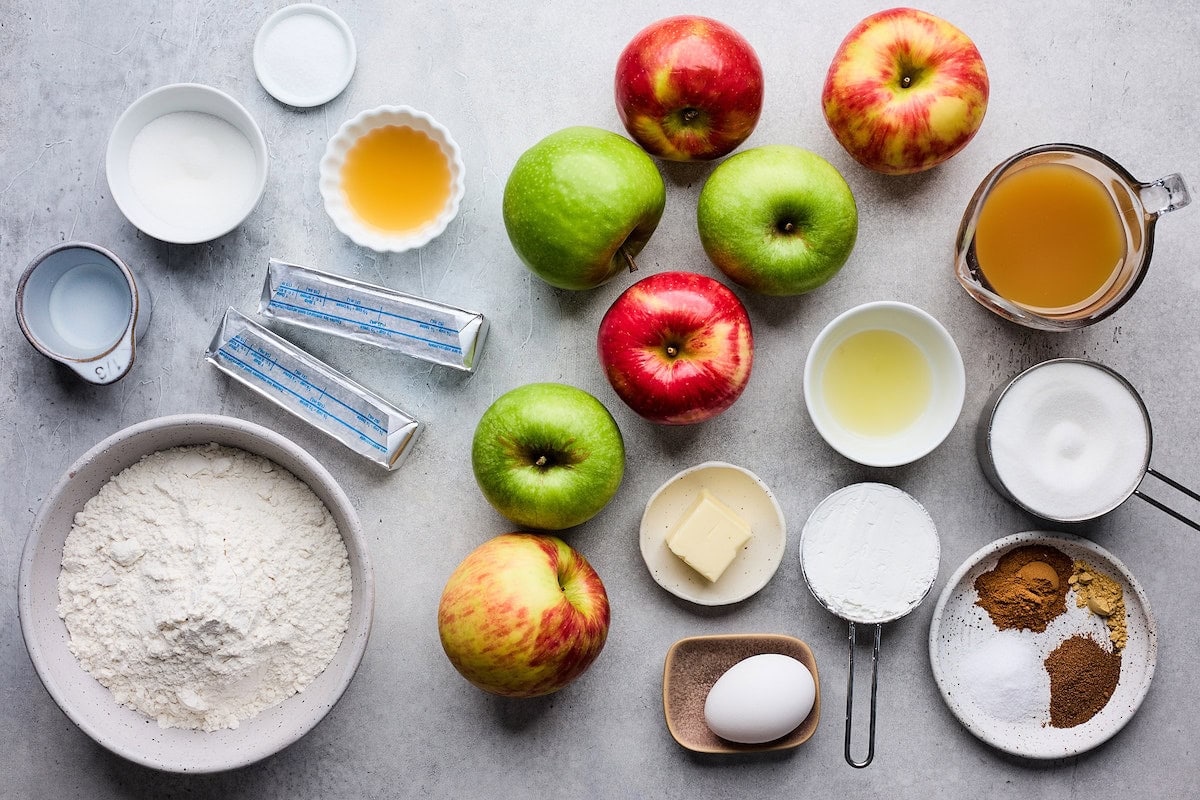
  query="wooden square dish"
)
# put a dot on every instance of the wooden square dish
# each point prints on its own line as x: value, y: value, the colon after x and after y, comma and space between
x: 694, y: 664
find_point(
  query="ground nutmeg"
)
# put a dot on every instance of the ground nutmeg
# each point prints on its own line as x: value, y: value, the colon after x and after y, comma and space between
x: 1083, y: 676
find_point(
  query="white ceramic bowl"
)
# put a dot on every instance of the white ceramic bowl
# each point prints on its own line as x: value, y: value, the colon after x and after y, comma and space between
x: 168, y: 100
x: 334, y: 159
x: 750, y: 498
x: 90, y: 705
x: 948, y: 390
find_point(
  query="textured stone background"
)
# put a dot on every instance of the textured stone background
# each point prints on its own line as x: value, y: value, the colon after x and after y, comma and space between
x: 1118, y: 76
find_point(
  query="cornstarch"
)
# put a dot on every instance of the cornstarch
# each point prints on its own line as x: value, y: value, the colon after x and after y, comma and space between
x: 204, y: 584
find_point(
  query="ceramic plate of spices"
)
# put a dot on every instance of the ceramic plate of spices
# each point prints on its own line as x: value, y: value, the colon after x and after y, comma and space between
x: 1043, y: 644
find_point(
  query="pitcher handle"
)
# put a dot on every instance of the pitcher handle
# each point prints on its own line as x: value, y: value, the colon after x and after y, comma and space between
x: 1164, y: 195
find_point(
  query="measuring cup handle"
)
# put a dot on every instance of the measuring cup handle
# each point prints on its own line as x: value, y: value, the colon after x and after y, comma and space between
x: 1165, y: 194
x: 1177, y: 486
x: 850, y: 697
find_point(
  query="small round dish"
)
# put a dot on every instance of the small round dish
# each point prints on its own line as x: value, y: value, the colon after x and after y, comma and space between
x: 338, y: 207
x: 959, y: 626
x: 304, y: 55
x: 948, y: 384
x: 750, y: 498
x: 90, y: 705
x: 694, y: 664
x: 206, y: 221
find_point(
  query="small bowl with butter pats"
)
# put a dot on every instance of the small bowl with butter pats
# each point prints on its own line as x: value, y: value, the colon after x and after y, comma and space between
x: 232, y: 688
x: 713, y: 534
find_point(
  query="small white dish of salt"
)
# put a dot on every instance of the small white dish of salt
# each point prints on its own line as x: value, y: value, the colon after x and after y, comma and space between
x: 304, y: 55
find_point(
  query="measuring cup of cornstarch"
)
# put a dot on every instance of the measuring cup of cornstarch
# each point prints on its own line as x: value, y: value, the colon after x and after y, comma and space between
x: 1069, y: 440
x: 80, y: 305
x: 870, y: 554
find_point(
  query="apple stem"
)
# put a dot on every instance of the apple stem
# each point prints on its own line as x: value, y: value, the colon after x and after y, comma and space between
x: 541, y: 461
x: 906, y: 81
x: 789, y: 227
x: 672, y: 351
x: 689, y: 114
x: 629, y: 260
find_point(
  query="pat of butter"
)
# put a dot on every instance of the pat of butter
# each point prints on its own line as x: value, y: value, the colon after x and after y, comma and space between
x: 708, y: 536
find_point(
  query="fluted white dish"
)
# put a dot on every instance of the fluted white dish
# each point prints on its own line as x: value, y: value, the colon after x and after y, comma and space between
x: 336, y: 203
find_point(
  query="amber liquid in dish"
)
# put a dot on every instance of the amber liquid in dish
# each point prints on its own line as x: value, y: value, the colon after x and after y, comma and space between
x: 396, y: 178
x: 1049, y: 237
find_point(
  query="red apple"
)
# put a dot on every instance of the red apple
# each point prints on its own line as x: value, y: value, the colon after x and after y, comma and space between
x: 689, y: 88
x: 677, y: 347
x: 523, y: 615
x: 906, y: 91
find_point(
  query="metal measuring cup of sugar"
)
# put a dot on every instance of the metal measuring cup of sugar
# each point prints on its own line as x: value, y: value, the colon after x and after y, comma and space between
x: 994, y: 456
x: 870, y: 554
x: 79, y: 304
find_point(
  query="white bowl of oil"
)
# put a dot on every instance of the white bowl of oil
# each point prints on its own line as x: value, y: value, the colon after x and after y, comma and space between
x: 392, y: 178
x: 884, y: 383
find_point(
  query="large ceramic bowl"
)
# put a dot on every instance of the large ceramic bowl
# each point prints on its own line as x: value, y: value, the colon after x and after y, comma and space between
x: 90, y: 705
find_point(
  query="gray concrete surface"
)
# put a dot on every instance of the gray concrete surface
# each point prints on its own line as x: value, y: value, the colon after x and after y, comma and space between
x: 1118, y: 76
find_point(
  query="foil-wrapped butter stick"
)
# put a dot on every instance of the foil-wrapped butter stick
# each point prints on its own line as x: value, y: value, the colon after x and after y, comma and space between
x: 281, y: 372
x: 424, y: 329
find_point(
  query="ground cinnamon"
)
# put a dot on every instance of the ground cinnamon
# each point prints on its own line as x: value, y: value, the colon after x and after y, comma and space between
x: 1027, y: 588
x: 1083, y: 676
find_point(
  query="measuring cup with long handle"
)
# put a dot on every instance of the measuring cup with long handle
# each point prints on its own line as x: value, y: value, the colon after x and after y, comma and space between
x: 1140, y: 459
x: 869, y: 553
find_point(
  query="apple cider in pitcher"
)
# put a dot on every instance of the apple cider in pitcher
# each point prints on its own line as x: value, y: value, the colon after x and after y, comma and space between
x: 1050, y: 237
x: 1059, y: 236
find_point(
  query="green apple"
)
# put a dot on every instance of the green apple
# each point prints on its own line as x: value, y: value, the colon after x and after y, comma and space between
x: 580, y: 204
x: 778, y: 219
x: 548, y: 456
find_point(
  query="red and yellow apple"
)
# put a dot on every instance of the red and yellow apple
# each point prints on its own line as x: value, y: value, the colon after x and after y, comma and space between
x: 523, y: 615
x: 689, y: 88
x: 906, y: 91
x: 677, y: 347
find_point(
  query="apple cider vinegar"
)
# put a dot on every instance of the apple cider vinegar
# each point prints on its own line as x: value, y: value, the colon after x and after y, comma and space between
x: 396, y: 178
x: 1049, y: 237
x: 877, y: 383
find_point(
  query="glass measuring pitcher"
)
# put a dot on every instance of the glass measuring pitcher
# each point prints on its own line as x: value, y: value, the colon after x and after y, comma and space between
x: 1059, y: 236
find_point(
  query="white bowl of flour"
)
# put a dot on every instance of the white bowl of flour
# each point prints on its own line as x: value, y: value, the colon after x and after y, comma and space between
x: 224, y: 639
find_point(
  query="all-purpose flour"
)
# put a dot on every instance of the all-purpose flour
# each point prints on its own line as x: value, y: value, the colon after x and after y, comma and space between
x: 204, y: 584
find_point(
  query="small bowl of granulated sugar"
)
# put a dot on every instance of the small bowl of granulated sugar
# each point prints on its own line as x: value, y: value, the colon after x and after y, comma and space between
x: 195, y: 593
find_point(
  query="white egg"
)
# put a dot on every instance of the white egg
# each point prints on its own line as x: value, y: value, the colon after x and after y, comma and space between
x: 760, y: 699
